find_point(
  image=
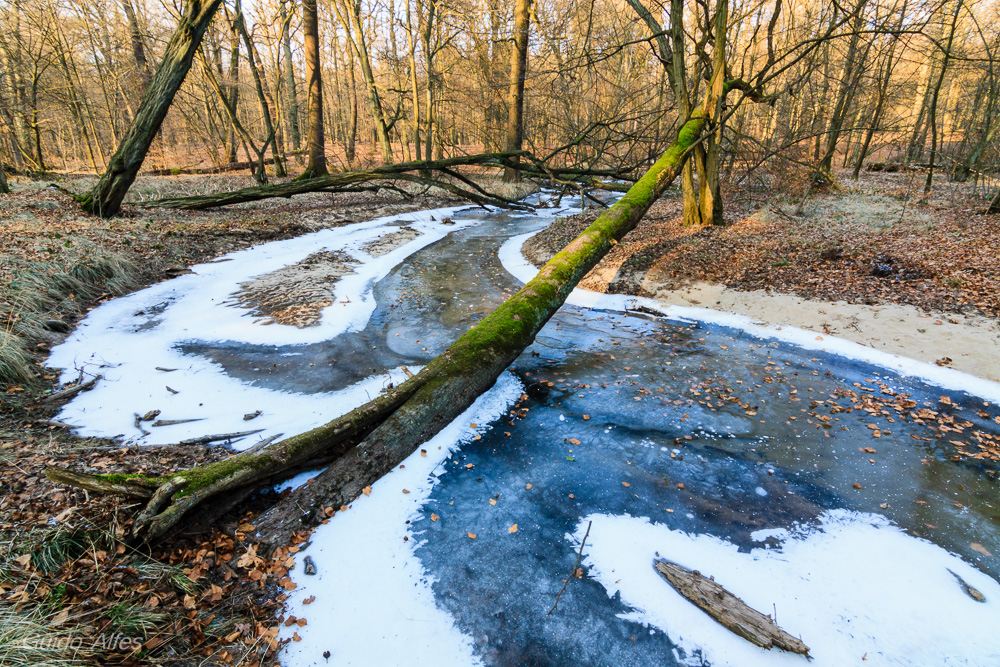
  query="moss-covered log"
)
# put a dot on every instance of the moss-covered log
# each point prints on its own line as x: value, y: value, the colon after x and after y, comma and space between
x: 389, y: 428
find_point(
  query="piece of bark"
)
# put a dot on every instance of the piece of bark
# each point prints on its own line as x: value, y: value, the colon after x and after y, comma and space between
x: 56, y: 423
x: 727, y: 609
x: 219, y: 436
x: 150, y: 416
x: 174, y: 422
x: 138, y: 423
x: 969, y: 590
x: 71, y: 391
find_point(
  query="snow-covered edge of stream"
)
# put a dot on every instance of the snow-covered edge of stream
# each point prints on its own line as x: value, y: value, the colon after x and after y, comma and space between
x: 128, y: 338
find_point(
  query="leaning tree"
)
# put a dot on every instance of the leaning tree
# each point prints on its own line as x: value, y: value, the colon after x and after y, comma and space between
x: 106, y: 198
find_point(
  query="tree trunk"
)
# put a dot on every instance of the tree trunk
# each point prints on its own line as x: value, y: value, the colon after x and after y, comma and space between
x: 4, y: 188
x: 932, y: 110
x: 391, y: 426
x: 518, y: 68
x: 138, y: 50
x: 314, y: 101
x: 357, y: 41
x: 994, y: 206
x: 106, y: 197
x: 881, y: 94
x: 290, y: 89
x: 270, y: 130
x: 411, y: 43
x: 853, y: 68
x: 233, y: 86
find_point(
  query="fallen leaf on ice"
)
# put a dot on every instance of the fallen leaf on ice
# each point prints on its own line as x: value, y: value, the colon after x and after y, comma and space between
x: 979, y: 548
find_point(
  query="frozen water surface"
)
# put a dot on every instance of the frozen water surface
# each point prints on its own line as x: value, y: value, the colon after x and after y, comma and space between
x: 730, y: 448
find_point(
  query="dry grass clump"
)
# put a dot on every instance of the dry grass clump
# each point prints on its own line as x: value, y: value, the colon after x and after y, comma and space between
x: 33, y: 637
x: 33, y: 303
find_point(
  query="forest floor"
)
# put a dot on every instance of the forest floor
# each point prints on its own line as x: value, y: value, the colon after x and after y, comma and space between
x: 69, y: 584
x: 866, y: 262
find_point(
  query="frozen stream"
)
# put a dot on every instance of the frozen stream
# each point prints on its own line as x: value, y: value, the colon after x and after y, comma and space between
x: 717, y: 445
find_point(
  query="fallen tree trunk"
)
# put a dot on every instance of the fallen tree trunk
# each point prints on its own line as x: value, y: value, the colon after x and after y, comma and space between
x: 733, y: 613
x: 407, y: 171
x: 392, y: 426
x: 347, y: 180
x: 219, y: 169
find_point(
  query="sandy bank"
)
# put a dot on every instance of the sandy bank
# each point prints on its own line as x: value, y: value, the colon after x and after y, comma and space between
x: 971, y: 343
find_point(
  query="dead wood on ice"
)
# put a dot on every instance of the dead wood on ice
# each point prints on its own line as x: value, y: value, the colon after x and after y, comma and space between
x: 733, y: 613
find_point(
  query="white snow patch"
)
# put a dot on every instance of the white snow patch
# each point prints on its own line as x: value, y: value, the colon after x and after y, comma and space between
x: 854, y: 588
x: 374, y: 604
x: 126, y: 347
x: 948, y: 378
x: 296, y: 481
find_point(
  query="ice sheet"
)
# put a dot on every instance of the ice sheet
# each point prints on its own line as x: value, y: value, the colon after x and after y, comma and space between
x: 125, y: 340
x: 948, y: 378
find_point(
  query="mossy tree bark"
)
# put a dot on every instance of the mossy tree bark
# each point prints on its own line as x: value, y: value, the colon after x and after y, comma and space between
x: 389, y: 428
x: 106, y: 198
x: 4, y: 188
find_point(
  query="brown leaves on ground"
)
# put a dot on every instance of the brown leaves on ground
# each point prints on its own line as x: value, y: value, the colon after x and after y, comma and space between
x: 870, y: 243
x: 64, y: 552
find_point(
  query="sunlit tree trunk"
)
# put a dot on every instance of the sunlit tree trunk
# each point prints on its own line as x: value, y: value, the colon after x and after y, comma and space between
x: 233, y: 86
x: 138, y: 49
x: 314, y: 82
x: 411, y: 43
x: 518, y: 69
x: 356, y: 37
x: 270, y: 129
x: 932, y: 109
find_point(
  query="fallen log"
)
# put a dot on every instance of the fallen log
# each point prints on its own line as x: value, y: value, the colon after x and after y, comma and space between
x: 374, y: 438
x: 69, y: 392
x: 730, y: 611
x: 217, y: 169
x: 414, y: 172
x: 405, y: 171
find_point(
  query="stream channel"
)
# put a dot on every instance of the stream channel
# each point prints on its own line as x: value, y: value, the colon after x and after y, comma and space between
x: 711, y: 440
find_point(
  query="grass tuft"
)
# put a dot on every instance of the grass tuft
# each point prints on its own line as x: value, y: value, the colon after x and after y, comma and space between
x: 65, y: 544
x: 42, y: 292
x: 15, y: 362
x: 31, y: 638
